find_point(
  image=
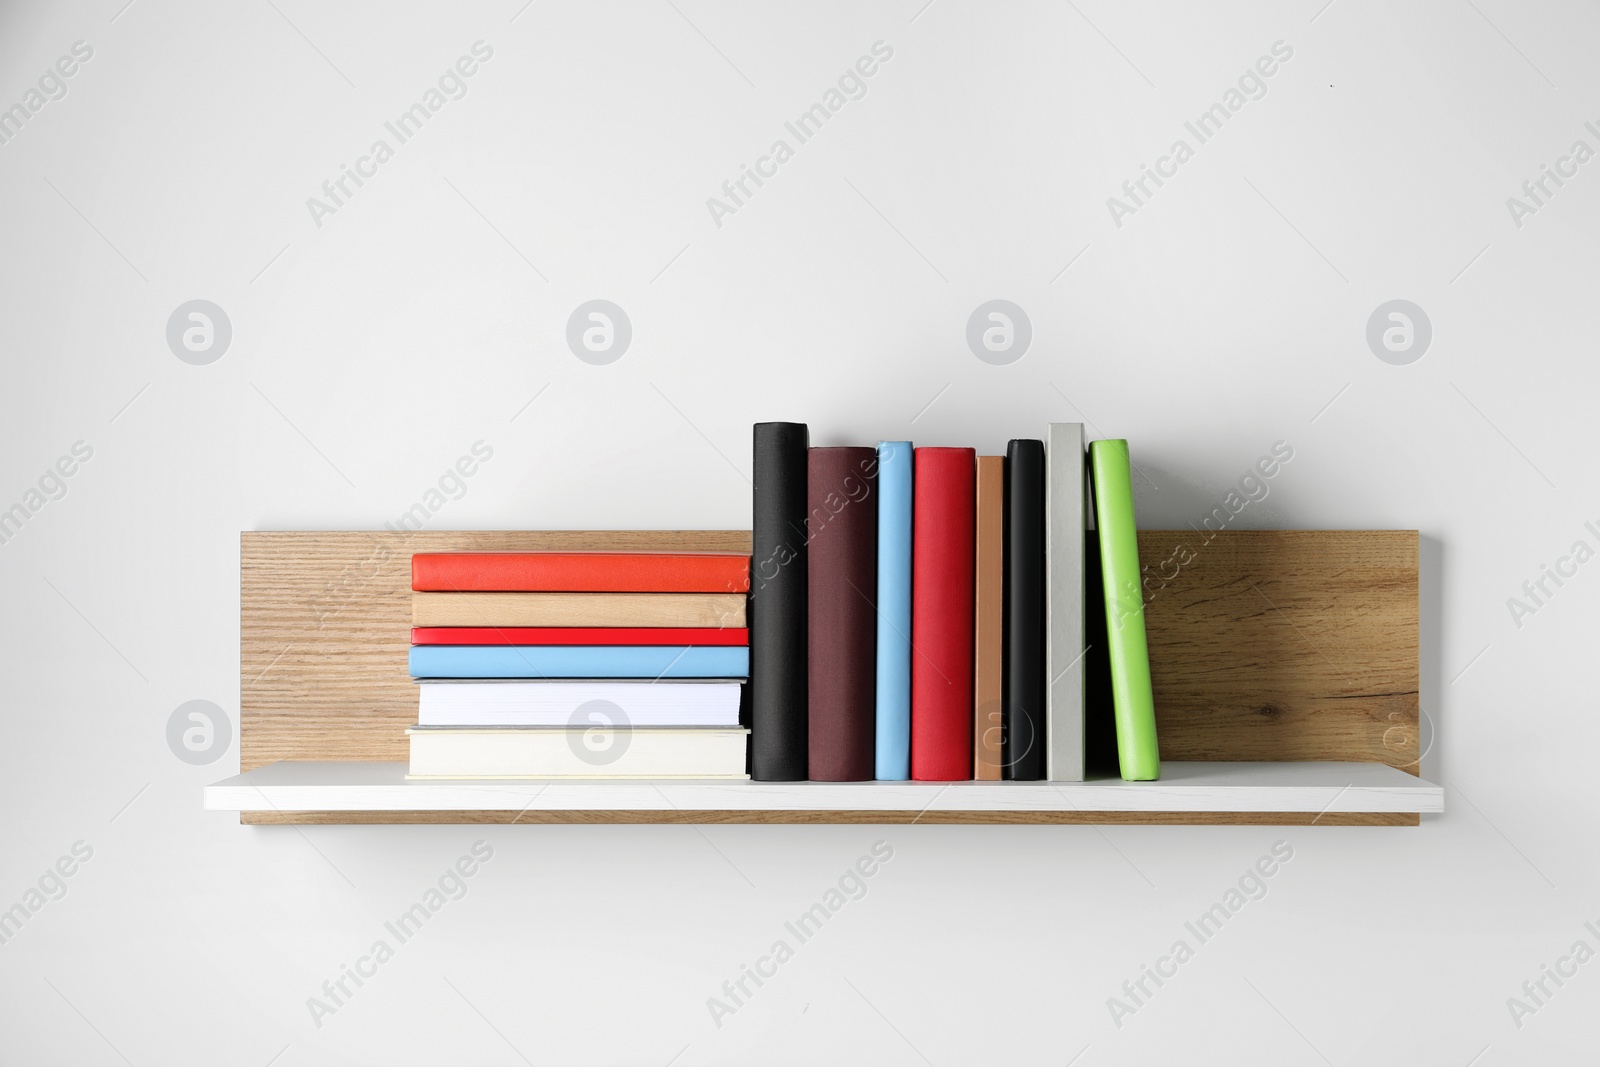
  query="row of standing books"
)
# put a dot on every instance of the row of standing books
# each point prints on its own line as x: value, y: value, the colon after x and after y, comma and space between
x: 923, y: 613
x: 920, y: 614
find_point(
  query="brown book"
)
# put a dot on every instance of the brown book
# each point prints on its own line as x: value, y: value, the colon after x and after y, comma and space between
x: 577, y: 609
x: 989, y: 615
x: 841, y: 612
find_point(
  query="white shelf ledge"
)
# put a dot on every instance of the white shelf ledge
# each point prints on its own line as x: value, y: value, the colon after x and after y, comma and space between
x: 1319, y: 788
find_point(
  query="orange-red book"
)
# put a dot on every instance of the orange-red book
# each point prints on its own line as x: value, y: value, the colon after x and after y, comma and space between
x: 578, y: 635
x: 580, y: 572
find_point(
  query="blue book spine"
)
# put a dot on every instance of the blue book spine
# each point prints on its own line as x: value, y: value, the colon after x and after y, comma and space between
x: 893, y: 758
x: 578, y: 661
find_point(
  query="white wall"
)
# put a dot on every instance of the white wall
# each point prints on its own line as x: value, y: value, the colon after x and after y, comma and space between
x: 372, y: 350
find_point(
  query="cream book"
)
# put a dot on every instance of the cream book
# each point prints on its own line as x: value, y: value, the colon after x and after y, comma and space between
x: 561, y: 752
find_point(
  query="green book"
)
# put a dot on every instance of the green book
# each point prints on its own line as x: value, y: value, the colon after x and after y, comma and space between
x: 1134, y: 706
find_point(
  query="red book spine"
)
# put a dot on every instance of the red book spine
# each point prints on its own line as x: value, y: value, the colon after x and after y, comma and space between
x: 580, y: 572
x: 577, y: 635
x: 943, y: 528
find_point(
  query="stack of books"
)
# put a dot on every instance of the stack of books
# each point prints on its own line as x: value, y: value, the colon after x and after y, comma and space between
x: 579, y: 665
x: 932, y: 614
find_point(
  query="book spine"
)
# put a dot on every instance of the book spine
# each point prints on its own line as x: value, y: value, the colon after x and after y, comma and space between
x: 841, y: 620
x: 1024, y: 746
x: 648, y: 662
x: 988, y: 624
x: 1099, y: 725
x: 943, y: 527
x: 693, y: 610
x: 892, y: 751
x: 1133, y: 703
x: 1064, y: 641
x: 778, y: 706
x: 580, y: 572
x: 578, y: 635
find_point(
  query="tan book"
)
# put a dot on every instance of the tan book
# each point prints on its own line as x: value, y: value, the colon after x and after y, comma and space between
x: 989, y: 607
x: 578, y: 609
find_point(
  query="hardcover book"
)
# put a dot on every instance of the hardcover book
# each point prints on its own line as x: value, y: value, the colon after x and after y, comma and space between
x: 1064, y: 585
x: 579, y: 635
x: 578, y: 703
x: 1133, y: 704
x: 988, y: 625
x: 778, y: 592
x: 580, y: 572
x: 577, y: 661
x: 1025, y: 588
x: 892, y: 749
x: 842, y: 622
x: 594, y: 752
x: 699, y: 610
x: 943, y: 527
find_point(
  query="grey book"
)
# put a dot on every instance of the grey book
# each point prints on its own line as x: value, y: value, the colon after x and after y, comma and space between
x: 1065, y: 493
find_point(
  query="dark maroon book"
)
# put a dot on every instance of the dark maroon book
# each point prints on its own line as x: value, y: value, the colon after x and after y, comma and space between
x: 842, y: 618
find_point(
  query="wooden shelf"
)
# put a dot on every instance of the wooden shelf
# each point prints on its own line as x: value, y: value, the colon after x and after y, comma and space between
x: 1292, y: 652
x: 1324, y: 792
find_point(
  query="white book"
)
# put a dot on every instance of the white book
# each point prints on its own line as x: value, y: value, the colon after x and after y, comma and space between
x: 1064, y: 510
x: 581, y: 704
x: 557, y: 752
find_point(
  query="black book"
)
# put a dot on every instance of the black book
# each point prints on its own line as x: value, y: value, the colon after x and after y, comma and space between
x: 1099, y: 718
x: 778, y: 591
x: 1023, y: 681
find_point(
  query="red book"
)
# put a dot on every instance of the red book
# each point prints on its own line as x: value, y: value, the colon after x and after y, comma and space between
x: 577, y: 635
x: 580, y: 572
x: 943, y: 529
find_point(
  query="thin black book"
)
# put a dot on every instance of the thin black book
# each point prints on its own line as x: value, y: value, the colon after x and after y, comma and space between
x: 777, y: 615
x: 1099, y: 718
x: 1023, y: 682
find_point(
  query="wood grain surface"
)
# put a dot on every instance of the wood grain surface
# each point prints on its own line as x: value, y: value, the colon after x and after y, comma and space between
x: 1264, y: 645
x: 325, y: 627
x: 1284, y: 644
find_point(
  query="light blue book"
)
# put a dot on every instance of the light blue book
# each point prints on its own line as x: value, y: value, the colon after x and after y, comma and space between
x: 578, y: 661
x: 893, y: 753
